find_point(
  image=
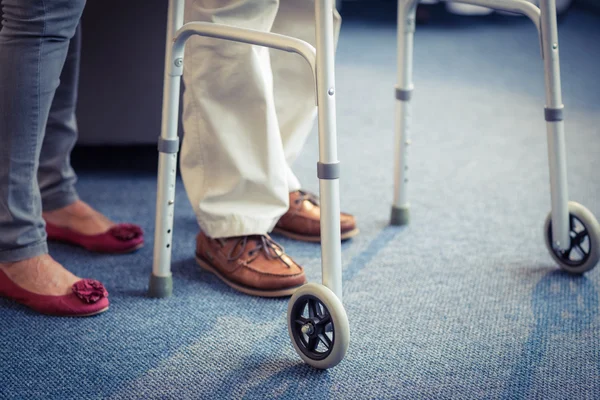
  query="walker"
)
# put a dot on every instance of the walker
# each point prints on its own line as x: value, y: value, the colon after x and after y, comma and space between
x: 317, y: 321
x: 571, y: 232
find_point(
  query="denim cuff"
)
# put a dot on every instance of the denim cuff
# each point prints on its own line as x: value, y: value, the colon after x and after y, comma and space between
x: 59, y: 200
x: 23, y: 253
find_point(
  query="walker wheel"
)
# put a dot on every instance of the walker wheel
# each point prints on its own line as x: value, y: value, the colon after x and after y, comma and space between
x: 318, y: 326
x: 584, y: 251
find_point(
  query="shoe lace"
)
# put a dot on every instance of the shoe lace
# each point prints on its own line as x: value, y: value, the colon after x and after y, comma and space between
x: 307, y: 196
x: 268, y: 246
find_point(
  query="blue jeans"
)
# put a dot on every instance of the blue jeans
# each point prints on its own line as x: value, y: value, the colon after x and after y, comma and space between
x: 39, y: 66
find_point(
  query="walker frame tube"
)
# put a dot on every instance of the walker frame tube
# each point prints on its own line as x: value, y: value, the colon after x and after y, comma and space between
x: 404, y: 88
x: 328, y: 166
x: 557, y: 154
x: 544, y: 19
x: 161, y: 280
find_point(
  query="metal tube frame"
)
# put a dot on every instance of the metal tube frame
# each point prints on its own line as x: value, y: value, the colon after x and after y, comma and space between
x: 544, y: 18
x: 557, y: 153
x: 331, y: 250
x: 404, y: 88
x: 321, y: 62
x: 161, y: 280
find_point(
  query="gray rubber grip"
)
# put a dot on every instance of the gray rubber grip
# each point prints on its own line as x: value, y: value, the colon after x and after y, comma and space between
x: 160, y: 286
x: 553, y: 114
x: 168, y: 145
x: 400, y: 216
x: 403, y: 94
x: 328, y: 171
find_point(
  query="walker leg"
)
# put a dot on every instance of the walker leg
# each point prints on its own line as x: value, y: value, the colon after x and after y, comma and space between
x: 404, y: 86
x: 325, y: 320
x: 328, y: 166
x: 161, y: 281
x: 555, y: 127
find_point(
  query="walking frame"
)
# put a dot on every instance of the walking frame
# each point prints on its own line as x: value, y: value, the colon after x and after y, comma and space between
x: 317, y: 322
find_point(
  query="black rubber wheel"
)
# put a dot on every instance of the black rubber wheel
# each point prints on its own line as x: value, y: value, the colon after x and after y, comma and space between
x: 318, y: 326
x: 584, y: 250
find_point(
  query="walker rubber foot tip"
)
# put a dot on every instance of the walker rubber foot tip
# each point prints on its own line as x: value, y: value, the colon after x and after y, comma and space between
x: 160, y: 286
x: 400, y: 216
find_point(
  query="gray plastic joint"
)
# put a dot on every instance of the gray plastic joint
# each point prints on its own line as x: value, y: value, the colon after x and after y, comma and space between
x: 168, y: 145
x: 400, y: 215
x: 554, y: 114
x: 328, y: 171
x: 409, y: 24
x: 176, y: 67
x: 160, y: 286
x: 403, y: 94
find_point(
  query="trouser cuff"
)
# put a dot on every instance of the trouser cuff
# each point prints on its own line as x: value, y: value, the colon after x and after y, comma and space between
x: 59, y: 200
x: 236, y: 225
x: 23, y: 253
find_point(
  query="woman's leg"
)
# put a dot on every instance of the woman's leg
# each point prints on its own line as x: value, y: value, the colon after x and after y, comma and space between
x: 56, y: 177
x: 33, y: 46
x: 60, y: 203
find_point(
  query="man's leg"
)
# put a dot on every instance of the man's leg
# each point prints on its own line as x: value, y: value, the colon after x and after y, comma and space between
x: 232, y: 159
x: 293, y: 82
x: 294, y: 92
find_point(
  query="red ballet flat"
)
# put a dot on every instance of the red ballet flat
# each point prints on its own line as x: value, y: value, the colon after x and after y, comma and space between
x: 121, y: 238
x: 88, y: 297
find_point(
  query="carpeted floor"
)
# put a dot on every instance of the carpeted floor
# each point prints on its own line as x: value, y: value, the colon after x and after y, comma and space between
x: 464, y: 303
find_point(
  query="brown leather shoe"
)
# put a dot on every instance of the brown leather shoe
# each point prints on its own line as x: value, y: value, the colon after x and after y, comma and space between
x: 254, y: 265
x: 302, y: 220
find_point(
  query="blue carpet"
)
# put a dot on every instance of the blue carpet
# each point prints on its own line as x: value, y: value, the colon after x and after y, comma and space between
x: 464, y: 303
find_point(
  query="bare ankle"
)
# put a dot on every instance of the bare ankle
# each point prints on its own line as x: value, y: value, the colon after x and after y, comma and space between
x: 41, y: 275
x: 79, y: 217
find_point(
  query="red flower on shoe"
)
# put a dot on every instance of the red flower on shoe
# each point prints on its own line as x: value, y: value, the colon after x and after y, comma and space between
x: 89, y: 291
x: 126, y: 232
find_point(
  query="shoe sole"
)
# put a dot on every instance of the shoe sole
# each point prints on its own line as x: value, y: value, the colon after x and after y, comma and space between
x: 80, y: 315
x: 92, y: 314
x: 131, y: 250
x: 246, y: 289
x: 313, y: 239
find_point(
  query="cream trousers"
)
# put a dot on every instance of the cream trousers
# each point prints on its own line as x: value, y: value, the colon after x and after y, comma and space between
x: 247, y: 112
